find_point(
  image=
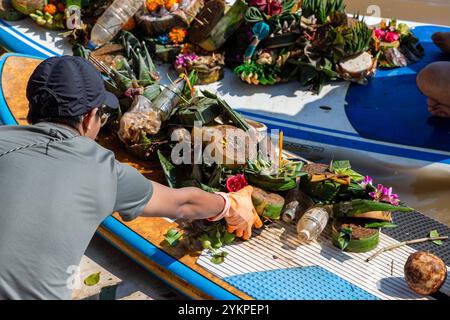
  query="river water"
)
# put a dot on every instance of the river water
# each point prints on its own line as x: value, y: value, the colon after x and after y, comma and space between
x: 428, y: 192
x: 428, y: 11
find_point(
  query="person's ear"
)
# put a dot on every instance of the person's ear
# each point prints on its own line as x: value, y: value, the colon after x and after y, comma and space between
x: 89, y: 120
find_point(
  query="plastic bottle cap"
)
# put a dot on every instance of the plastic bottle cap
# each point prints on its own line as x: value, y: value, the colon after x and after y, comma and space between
x: 91, y: 45
x: 303, y: 235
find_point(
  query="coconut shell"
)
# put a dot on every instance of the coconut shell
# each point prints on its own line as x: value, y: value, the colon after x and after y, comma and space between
x: 358, y: 67
x: 425, y: 273
x: 267, y: 204
x: 224, y: 143
x: 182, y: 17
x: 209, y: 68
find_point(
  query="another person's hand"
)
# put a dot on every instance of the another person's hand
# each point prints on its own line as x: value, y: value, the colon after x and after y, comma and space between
x: 242, y: 216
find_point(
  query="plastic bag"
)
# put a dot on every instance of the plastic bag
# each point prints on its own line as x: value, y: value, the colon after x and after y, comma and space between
x: 140, y: 118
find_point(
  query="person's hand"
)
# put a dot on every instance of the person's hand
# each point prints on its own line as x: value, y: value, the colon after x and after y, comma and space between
x: 242, y: 216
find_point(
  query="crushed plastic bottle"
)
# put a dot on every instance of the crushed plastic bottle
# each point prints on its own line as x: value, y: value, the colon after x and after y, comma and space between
x: 311, y: 225
x: 111, y: 21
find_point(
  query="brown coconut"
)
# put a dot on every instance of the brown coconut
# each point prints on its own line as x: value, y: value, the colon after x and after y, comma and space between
x: 425, y: 273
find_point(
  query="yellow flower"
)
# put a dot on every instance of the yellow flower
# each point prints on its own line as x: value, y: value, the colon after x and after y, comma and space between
x: 153, y: 5
x: 177, y: 35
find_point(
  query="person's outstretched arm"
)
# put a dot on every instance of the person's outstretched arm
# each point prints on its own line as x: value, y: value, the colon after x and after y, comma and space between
x: 193, y: 203
x: 187, y: 203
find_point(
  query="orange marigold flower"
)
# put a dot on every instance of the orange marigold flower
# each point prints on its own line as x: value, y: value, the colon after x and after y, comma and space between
x: 153, y: 5
x: 170, y: 3
x: 50, y: 9
x: 177, y: 35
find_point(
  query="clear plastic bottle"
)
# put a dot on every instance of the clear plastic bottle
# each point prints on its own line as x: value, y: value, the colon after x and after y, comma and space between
x: 111, y: 21
x: 311, y: 225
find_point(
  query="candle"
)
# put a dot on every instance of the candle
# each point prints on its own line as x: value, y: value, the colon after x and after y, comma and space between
x: 280, y: 149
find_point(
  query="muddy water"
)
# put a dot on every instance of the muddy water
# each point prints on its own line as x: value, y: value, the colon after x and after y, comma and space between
x: 425, y: 189
x: 428, y: 11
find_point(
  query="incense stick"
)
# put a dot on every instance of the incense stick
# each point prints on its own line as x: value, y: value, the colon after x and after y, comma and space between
x: 395, y: 246
x: 280, y: 149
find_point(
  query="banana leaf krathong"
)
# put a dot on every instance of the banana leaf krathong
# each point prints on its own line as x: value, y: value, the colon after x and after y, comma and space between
x: 264, y: 174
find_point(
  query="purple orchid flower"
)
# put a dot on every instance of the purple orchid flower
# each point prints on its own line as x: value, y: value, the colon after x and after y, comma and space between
x: 184, y: 59
x: 389, y: 197
x: 384, y: 194
x: 366, y: 181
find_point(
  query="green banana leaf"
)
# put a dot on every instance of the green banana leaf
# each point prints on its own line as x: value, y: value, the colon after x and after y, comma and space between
x: 359, y: 206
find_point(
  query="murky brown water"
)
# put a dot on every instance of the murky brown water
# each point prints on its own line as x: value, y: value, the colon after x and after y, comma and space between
x: 426, y: 190
x: 429, y: 11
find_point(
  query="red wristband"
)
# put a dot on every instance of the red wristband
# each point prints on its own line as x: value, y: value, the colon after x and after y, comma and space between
x: 226, y: 208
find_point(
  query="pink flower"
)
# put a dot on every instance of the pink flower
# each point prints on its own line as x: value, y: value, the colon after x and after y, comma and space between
x: 380, y: 33
x: 366, y: 181
x: 389, y: 197
x: 383, y: 194
x: 391, y: 37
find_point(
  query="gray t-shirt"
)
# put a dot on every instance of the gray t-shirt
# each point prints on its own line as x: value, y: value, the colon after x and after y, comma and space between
x: 53, y: 196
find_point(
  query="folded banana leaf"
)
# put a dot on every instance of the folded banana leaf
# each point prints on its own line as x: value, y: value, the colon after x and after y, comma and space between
x: 234, y: 116
x: 204, y: 111
x: 172, y: 173
x: 361, y: 208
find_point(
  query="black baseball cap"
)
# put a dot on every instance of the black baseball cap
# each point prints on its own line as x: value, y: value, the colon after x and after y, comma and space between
x: 67, y: 86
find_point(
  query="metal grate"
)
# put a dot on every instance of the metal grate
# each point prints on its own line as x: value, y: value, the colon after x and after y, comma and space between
x: 416, y: 225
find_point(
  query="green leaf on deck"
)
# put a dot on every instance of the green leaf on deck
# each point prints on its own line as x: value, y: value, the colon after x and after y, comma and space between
x: 434, y: 234
x: 219, y: 258
x: 172, y: 237
x: 92, y: 280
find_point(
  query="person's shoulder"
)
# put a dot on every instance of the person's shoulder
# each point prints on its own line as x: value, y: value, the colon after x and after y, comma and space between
x: 12, y: 136
x: 93, y: 148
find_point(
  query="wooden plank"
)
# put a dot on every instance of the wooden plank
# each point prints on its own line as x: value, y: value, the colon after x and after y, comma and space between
x: 137, y: 296
x: 104, y: 290
x: 15, y: 76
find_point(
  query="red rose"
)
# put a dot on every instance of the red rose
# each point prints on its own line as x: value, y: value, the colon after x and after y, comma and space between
x: 236, y: 183
x: 274, y: 7
x: 260, y: 4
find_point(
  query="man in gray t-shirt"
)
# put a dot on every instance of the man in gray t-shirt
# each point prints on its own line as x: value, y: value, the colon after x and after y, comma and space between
x: 57, y: 184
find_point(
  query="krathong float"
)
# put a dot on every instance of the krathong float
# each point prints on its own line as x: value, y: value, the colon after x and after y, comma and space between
x: 52, y: 14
